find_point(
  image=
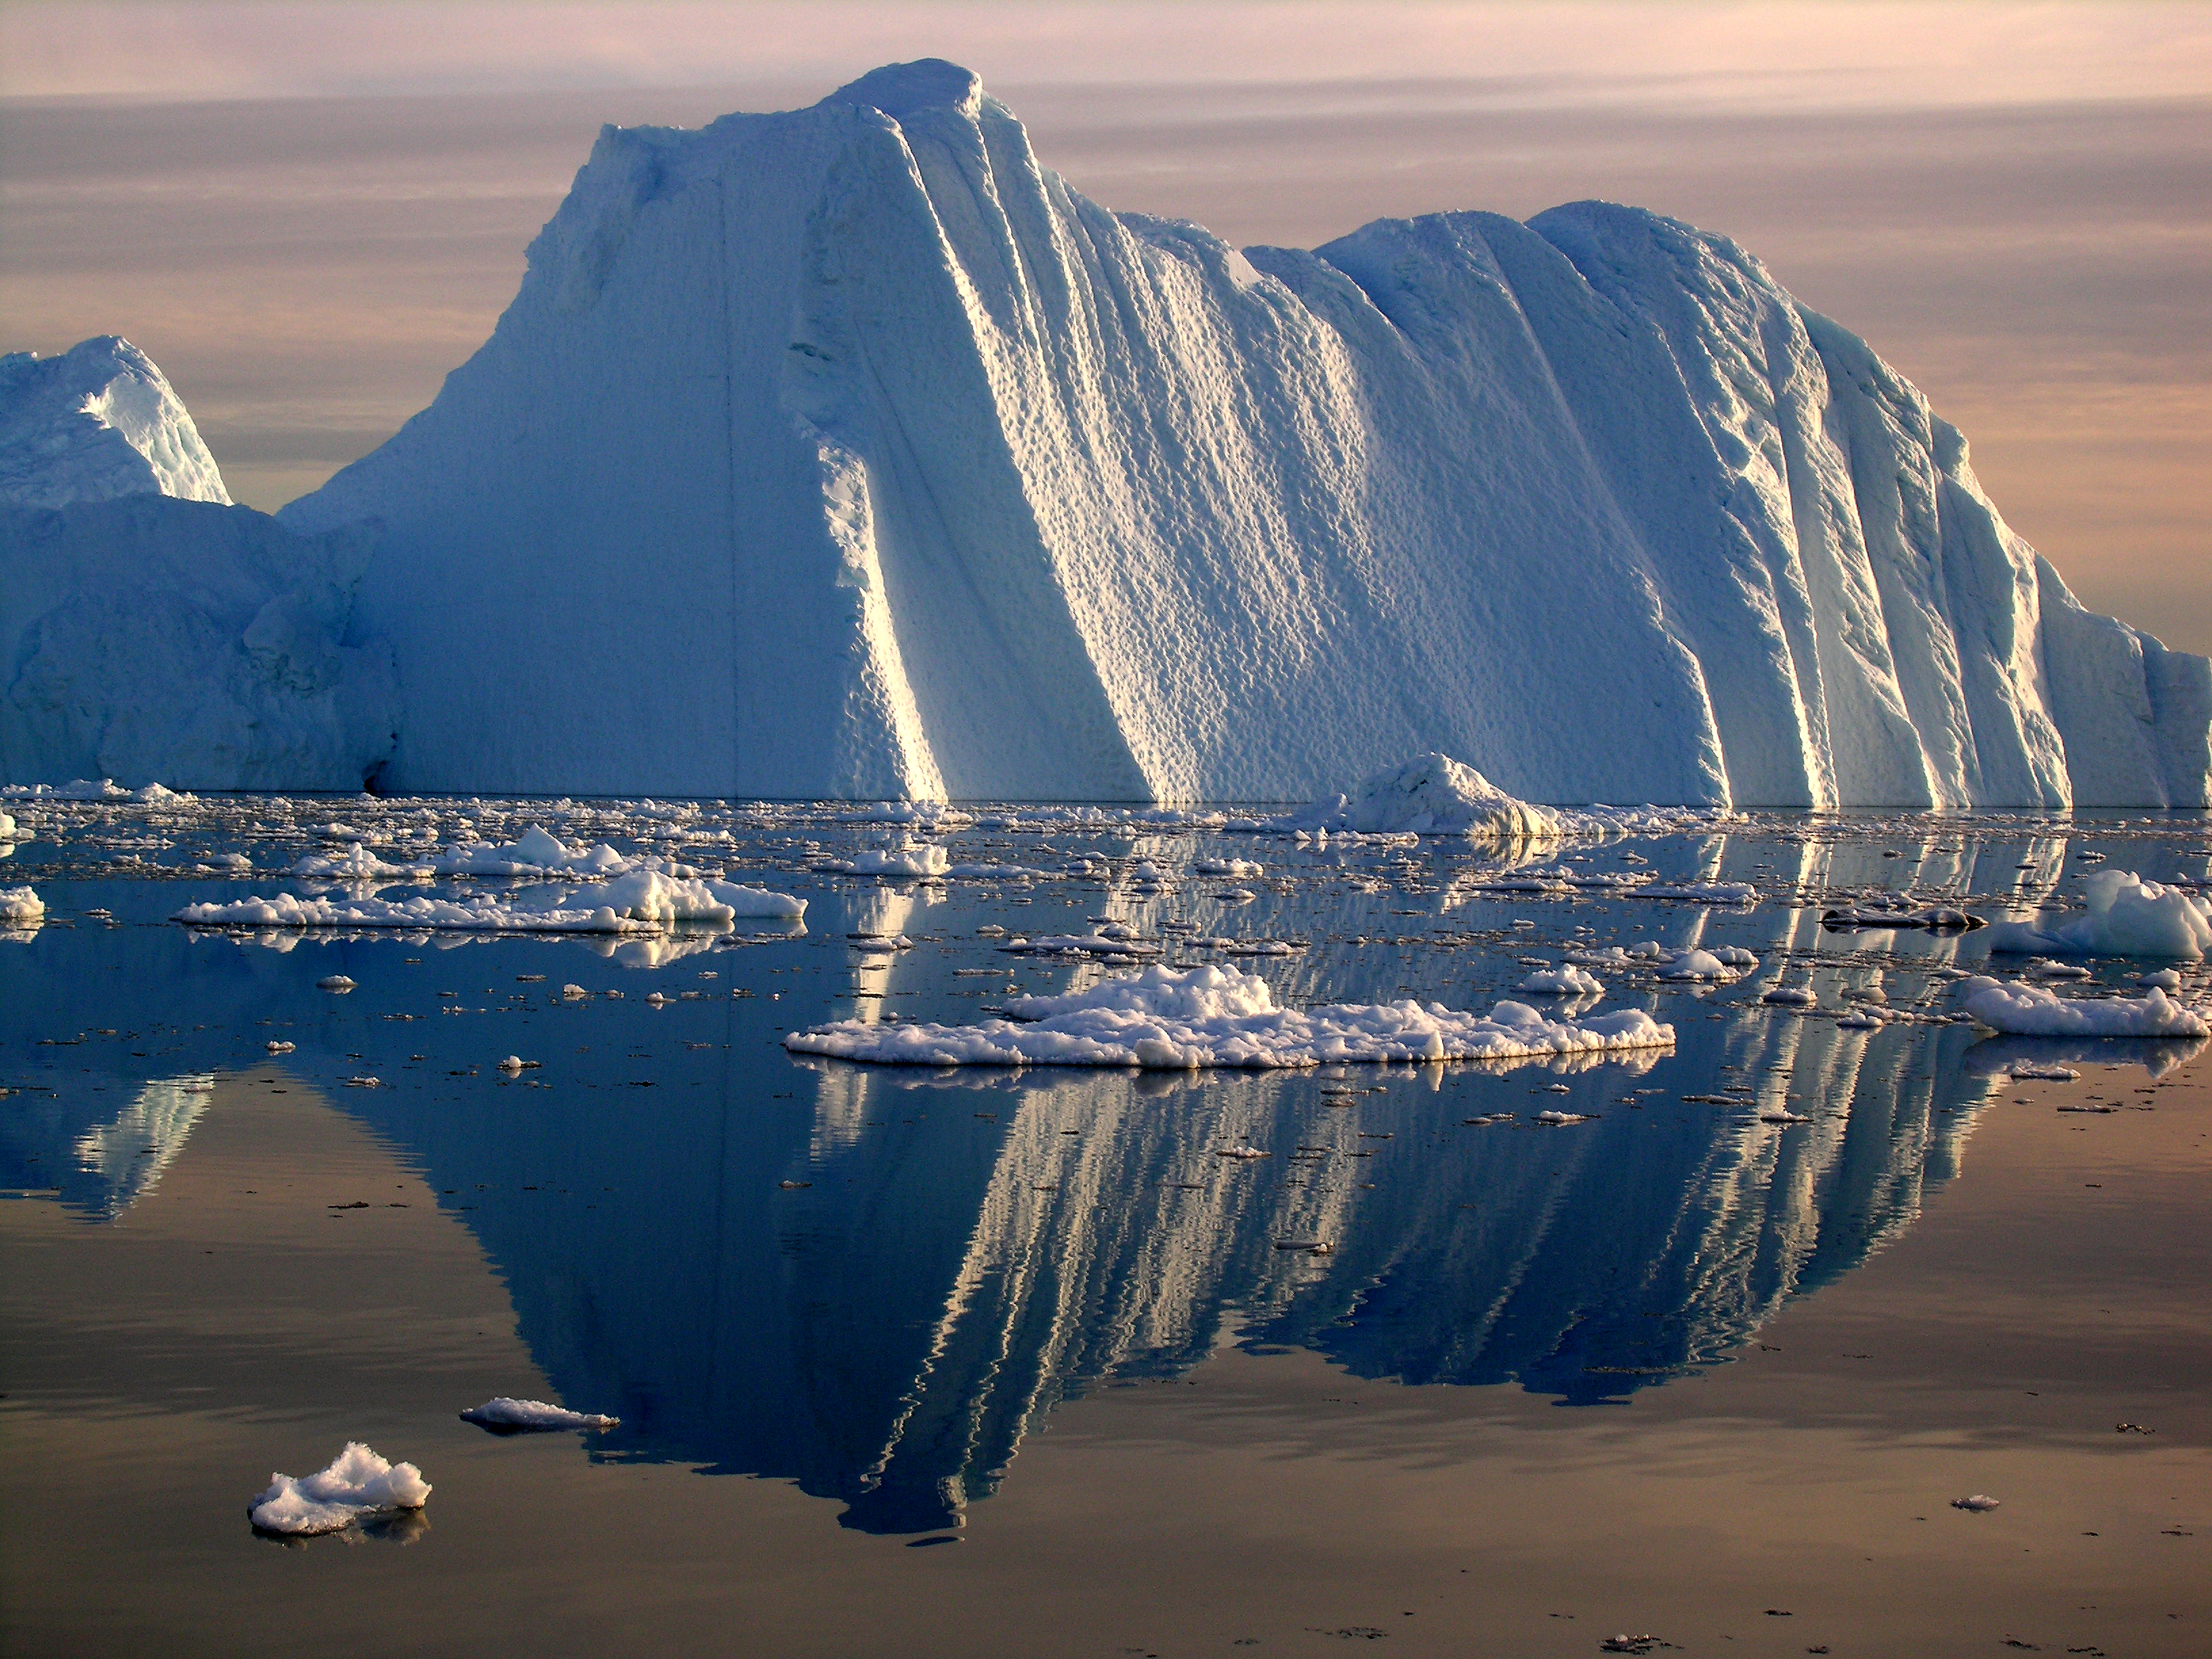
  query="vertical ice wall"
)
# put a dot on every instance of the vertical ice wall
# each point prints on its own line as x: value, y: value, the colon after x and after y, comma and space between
x: 849, y: 452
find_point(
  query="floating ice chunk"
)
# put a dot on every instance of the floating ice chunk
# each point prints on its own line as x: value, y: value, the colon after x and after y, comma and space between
x: 1562, y: 982
x: 1979, y: 1503
x: 338, y: 982
x: 1431, y: 794
x: 357, y: 863
x: 1560, y: 1120
x: 1863, y: 1019
x: 8, y: 830
x: 20, y: 907
x: 2042, y: 969
x: 2127, y: 917
x: 1148, y: 874
x: 1241, y: 867
x: 642, y: 901
x: 1170, y: 1019
x: 1901, y: 912
x: 1720, y: 965
x: 1239, y: 1152
x: 2166, y: 979
x: 536, y: 852
x: 506, y: 1415
x: 1083, y: 945
x: 921, y: 859
x: 358, y: 1483
x: 1703, y: 892
x: 2026, y: 1072
x: 515, y: 1065
x: 1791, y: 996
x: 2033, y: 1011
x: 279, y: 1046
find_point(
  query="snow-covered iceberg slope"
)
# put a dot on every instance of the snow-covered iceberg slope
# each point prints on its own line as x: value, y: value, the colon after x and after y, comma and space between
x: 98, y: 421
x: 150, y: 637
x: 849, y: 452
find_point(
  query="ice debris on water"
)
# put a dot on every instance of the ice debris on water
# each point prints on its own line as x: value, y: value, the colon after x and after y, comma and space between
x: 2034, y: 1011
x: 20, y: 907
x: 643, y: 902
x: 2027, y: 1071
x: 277, y: 1046
x: 1569, y: 981
x: 357, y: 1485
x: 338, y: 982
x: 2126, y: 916
x: 1173, y: 1019
x: 1977, y: 1503
x: 507, y: 1415
x: 1791, y: 996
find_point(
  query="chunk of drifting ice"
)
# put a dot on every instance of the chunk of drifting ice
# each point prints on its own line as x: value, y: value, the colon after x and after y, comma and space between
x: 357, y: 863
x: 357, y: 1483
x: 1085, y: 945
x: 279, y: 1047
x: 1560, y: 1120
x: 2166, y: 979
x: 20, y: 906
x: 1901, y: 912
x: 2127, y: 917
x: 2033, y: 1011
x: 2041, y: 969
x: 1976, y: 1504
x: 1862, y: 1019
x: 1791, y: 996
x: 506, y: 1415
x: 642, y: 901
x: 338, y: 982
x: 1431, y: 794
x: 1165, y: 1019
x: 1562, y: 982
x: 2023, y: 1074
x: 1243, y: 868
x: 1719, y: 965
x: 923, y: 859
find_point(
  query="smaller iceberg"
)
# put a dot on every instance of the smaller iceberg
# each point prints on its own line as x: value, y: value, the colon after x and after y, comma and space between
x: 507, y: 1415
x: 358, y: 1484
x: 2127, y: 917
x: 2034, y: 1011
x: 1172, y: 1019
x: 1431, y: 794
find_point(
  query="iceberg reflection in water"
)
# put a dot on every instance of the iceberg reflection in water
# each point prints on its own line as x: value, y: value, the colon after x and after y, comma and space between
x: 968, y: 1250
x: 874, y: 1282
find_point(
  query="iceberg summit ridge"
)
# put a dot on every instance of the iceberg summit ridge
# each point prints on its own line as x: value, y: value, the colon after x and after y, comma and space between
x: 849, y: 452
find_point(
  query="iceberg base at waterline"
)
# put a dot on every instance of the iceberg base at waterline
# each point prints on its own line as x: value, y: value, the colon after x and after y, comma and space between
x: 1172, y: 1019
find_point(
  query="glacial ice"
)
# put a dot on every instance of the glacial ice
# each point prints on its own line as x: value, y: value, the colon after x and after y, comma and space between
x: 642, y: 901
x: 975, y: 489
x: 2034, y: 1011
x: 357, y: 1485
x: 1172, y: 1019
x: 145, y: 636
x: 98, y: 421
x: 20, y: 907
x: 506, y: 1415
x: 2127, y: 917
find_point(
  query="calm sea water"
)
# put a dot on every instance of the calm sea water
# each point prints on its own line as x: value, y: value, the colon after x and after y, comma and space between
x: 876, y: 1284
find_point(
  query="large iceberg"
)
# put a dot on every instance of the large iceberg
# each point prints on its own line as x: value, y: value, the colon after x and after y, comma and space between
x: 849, y: 452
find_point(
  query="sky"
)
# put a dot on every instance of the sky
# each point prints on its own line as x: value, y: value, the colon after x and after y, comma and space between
x: 308, y: 211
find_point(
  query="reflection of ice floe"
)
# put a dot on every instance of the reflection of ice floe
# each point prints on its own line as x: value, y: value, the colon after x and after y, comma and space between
x: 2035, y: 1011
x: 1166, y: 1018
x: 128, y: 1155
x: 2055, y: 1058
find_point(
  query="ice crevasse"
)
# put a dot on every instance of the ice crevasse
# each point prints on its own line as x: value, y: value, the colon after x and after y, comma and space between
x: 949, y: 482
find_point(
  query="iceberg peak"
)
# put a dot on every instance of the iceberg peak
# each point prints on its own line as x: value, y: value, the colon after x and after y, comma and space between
x: 98, y: 422
x: 902, y: 89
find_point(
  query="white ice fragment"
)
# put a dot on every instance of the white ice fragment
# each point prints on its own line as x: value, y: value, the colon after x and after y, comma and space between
x: 2033, y: 1010
x: 1240, y: 867
x: 1555, y: 1119
x: 2025, y: 1071
x: 357, y: 1484
x: 1220, y: 1016
x: 1791, y: 996
x: 919, y: 860
x: 2127, y: 917
x: 1563, y: 982
x: 2165, y: 979
x: 338, y: 982
x: 276, y: 1045
x: 507, y: 1415
x: 641, y: 902
x: 1977, y: 1502
x: 20, y: 907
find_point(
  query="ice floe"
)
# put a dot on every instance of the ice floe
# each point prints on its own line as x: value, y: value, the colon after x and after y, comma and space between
x: 644, y: 901
x: 1569, y: 981
x: 2033, y: 1011
x: 2127, y: 917
x: 357, y: 1484
x: 1171, y: 1019
x: 507, y: 1415
x: 20, y: 907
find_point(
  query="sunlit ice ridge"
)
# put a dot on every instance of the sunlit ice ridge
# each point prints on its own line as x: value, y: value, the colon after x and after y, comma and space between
x: 847, y: 452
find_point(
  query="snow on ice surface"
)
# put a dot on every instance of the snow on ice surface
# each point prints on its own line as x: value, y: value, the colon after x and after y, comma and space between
x: 98, y: 421
x: 2127, y: 917
x: 357, y: 1485
x: 507, y: 1415
x: 1165, y: 1019
x: 970, y: 414
x: 2035, y: 1011
x: 643, y: 902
